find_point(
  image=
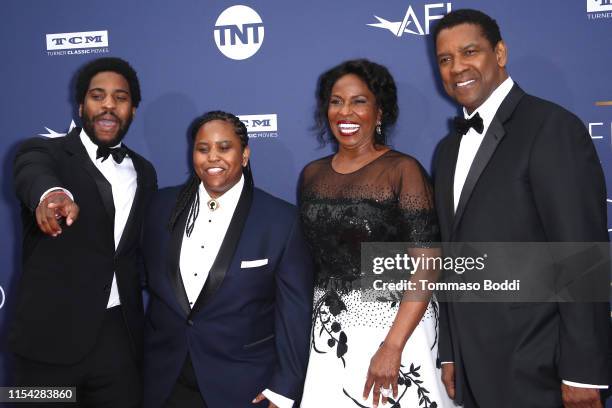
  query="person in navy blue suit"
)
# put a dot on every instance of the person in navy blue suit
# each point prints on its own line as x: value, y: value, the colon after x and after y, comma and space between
x: 231, y: 284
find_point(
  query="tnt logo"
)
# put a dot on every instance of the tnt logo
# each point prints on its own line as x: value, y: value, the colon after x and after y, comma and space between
x: 260, y: 123
x: 239, y: 32
x: 411, y: 23
x: 599, y: 5
x: 70, y: 41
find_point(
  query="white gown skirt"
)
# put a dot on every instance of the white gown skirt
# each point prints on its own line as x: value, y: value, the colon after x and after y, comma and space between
x: 347, y: 331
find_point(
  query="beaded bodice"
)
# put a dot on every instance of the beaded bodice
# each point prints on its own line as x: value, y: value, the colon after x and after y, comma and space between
x: 387, y: 200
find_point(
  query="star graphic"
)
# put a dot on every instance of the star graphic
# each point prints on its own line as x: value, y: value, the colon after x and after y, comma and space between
x: 393, y: 26
x: 396, y: 26
x: 53, y: 134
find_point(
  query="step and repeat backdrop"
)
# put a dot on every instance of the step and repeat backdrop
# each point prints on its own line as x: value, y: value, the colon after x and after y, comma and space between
x: 261, y: 60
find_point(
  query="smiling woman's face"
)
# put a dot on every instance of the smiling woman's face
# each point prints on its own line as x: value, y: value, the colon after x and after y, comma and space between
x: 218, y: 157
x: 352, y: 112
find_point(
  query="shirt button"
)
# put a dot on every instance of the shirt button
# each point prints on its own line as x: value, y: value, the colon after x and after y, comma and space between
x: 189, y: 322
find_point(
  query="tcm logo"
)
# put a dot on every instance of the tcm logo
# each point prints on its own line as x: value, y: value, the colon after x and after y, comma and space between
x: 260, y: 123
x: 239, y: 32
x: 599, y: 5
x: 71, y: 41
x: 411, y: 23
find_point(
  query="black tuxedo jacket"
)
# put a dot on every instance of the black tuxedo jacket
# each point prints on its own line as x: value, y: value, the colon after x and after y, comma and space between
x: 66, y: 281
x: 536, y: 178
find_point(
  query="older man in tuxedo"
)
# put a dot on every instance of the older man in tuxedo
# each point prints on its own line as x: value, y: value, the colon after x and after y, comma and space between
x: 515, y: 169
x: 79, y: 312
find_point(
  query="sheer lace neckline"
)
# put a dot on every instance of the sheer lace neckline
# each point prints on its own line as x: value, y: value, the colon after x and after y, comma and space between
x: 357, y: 170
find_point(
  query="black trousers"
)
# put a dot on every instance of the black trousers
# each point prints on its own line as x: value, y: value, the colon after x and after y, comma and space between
x: 186, y: 393
x: 107, y: 377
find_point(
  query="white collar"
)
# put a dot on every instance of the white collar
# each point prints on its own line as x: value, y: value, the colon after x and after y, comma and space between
x: 229, y: 199
x: 489, y: 108
x: 91, y: 147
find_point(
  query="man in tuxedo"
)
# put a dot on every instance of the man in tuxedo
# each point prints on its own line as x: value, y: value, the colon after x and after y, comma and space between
x: 79, y: 312
x: 515, y: 169
x: 231, y: 284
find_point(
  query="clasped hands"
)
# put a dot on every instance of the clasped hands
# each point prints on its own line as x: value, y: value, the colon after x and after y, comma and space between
x: 56, y: 205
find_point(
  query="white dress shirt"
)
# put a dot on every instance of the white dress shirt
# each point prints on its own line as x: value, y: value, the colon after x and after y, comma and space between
x: 470, y: 142
x: 199, y: 251
x: 123, y: 180
x: 468, y: 148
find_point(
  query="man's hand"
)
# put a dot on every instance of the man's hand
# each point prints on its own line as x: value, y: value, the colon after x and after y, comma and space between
x: 260, y: 398
x: 52, y: 208
x: 578, y: 397
x: 448, y: 379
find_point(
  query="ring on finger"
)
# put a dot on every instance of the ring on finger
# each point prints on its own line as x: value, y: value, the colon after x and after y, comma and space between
x: 385, y: 392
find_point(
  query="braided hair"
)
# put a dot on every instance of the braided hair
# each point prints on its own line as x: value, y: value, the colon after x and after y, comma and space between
x: 188, y: 196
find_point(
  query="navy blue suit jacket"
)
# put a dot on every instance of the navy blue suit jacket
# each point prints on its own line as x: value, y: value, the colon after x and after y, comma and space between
x: 250, y: 327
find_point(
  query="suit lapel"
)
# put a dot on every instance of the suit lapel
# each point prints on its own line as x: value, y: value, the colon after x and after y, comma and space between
x: 493, y: 137
x: 74, y: 146
x: 174, y: 251
x: 137, y: 202
x: 227, y: 250
x: 445, y: 182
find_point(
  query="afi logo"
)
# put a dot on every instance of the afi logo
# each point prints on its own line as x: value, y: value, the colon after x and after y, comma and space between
x: 411, y: 23
x: 239, y: 32
x: 67, y: 41
x: 599, y: 5
x: 260, y: 123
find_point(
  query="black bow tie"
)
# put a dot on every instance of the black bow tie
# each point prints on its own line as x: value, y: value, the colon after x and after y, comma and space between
x: 118, y: 153
x: 462, y: 125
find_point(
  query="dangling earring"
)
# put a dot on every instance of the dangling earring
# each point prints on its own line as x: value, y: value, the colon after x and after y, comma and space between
x: 378, y: 128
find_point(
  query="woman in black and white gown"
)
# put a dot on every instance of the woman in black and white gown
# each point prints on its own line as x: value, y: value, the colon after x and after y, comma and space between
x: 363, y: 346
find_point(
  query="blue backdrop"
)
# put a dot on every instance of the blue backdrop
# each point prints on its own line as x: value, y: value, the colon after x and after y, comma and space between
x: 557, y: 50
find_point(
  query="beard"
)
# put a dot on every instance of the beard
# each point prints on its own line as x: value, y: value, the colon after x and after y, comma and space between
x: 88, y: 125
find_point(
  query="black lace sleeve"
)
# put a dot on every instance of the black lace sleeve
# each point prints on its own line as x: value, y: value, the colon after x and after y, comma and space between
x: 418, y: 222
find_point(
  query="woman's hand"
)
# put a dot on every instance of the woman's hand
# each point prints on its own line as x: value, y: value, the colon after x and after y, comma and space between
x: 383, y: 373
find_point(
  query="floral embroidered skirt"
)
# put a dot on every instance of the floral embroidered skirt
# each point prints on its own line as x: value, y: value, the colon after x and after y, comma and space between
x: 347, y: 330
